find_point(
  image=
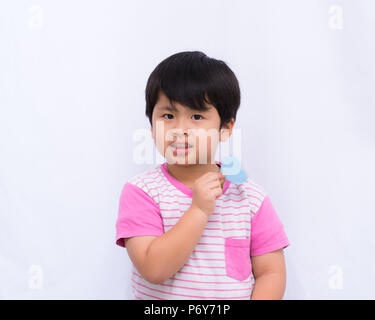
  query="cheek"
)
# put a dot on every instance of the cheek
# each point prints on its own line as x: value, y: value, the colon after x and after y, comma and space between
x: 205, y: 145
x: 159, y: 132
x: 208, y: 141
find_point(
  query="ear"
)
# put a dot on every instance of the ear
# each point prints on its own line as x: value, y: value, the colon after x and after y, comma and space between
x: 226, y: 130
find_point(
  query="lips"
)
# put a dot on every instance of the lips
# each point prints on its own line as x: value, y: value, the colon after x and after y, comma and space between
x: 179, y: 145
x: 181, y: 149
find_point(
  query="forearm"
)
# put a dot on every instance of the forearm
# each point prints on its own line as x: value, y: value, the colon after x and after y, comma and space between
x: 169, y: 252
x: 269, y: 286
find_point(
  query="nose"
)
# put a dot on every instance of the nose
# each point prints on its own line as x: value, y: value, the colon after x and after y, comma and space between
x: 181, y: 128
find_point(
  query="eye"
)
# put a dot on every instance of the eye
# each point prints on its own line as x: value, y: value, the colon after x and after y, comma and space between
x: 167, y: 114
x: 197, y: 115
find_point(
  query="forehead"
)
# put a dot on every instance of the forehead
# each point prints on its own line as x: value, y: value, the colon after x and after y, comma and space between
x: 163, y: 104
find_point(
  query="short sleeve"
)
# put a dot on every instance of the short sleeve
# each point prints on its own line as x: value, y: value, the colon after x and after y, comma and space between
x: 267, y: 231
x: 138, y: 215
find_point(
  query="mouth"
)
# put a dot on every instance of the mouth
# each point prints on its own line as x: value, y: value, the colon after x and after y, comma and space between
x: 181, y: 148
x: 181, y: 145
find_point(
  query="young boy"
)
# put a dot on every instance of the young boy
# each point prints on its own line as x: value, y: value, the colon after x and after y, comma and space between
x: 189, y: 232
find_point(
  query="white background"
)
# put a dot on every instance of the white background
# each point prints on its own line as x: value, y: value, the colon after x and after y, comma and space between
x: 72, y: 81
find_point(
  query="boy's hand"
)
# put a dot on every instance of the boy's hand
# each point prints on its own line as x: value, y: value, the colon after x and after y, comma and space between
x: 206, y: 190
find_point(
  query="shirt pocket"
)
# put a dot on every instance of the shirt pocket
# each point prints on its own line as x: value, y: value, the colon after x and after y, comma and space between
x: 237, y: 258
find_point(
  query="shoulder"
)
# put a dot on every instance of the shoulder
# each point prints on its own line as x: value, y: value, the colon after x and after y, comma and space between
x: 256, y: 194
x: 146, y: 181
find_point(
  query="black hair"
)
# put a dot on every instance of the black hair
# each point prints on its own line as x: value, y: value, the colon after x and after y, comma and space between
x: 192, y: 79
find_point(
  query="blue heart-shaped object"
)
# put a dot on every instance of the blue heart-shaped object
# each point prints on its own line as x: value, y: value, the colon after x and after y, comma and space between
x: 231, y: 167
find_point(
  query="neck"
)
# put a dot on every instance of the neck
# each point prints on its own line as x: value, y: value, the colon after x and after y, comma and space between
x: 188, y: 173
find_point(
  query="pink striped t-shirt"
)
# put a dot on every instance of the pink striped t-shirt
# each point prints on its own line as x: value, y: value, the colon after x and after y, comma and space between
x: 243, y: 224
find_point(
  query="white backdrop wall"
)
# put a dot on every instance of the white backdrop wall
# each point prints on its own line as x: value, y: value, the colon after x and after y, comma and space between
x: 72, y: 80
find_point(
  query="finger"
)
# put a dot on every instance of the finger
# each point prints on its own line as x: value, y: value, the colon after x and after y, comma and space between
x: 215, y: 184
x: 219, y: 181
x: 217, y: 175
x: 218, y: 192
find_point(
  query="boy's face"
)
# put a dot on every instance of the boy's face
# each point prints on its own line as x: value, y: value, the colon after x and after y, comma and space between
x: 200, y: 129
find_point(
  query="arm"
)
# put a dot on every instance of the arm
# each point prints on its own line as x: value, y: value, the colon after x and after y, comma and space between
x: 270, y: 276
x: 158, y: 258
